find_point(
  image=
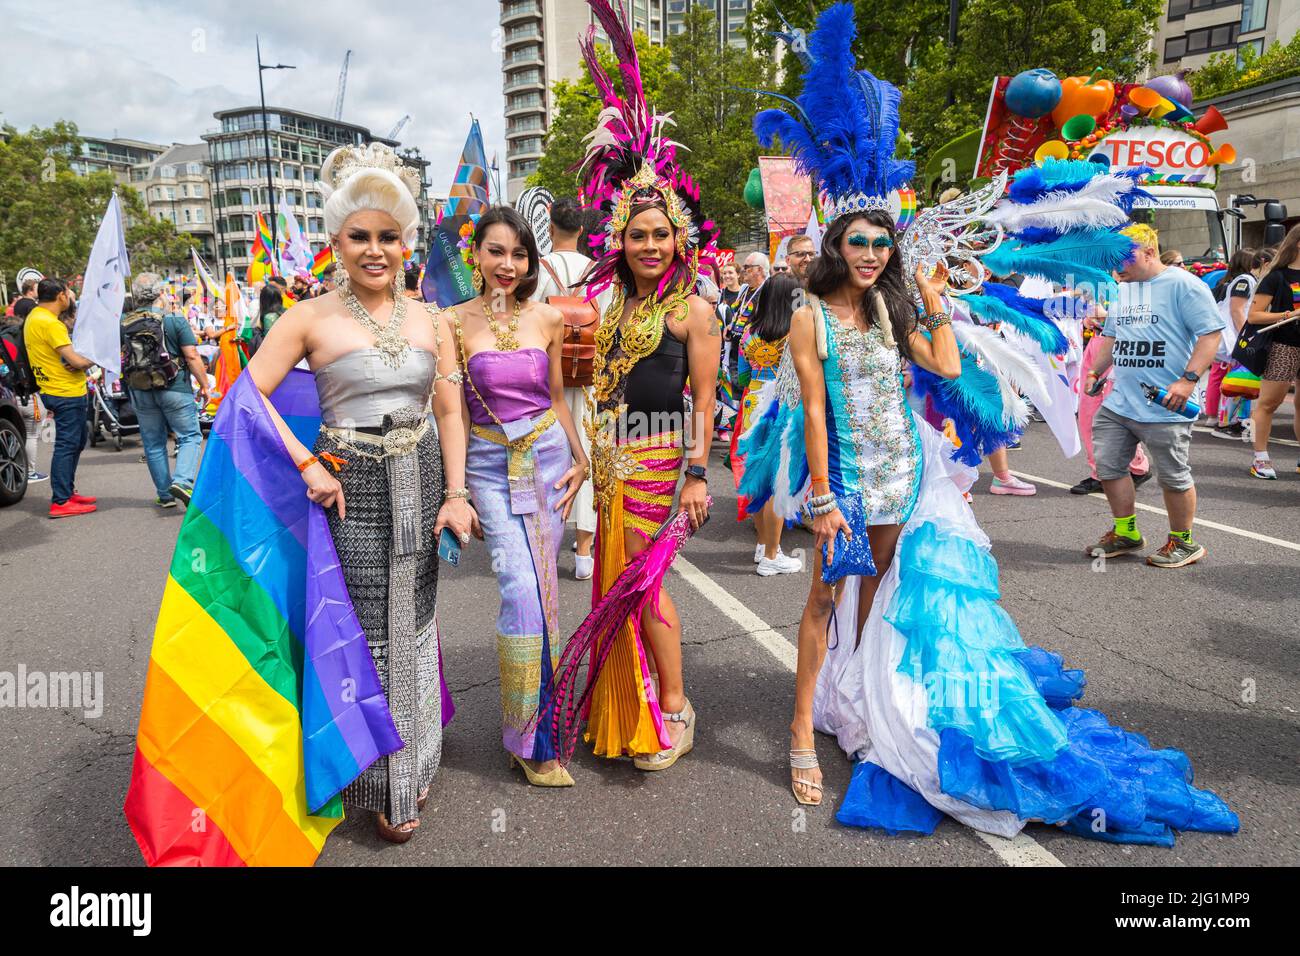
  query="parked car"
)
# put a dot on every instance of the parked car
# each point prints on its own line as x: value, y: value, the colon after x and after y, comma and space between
x: 13, y: 450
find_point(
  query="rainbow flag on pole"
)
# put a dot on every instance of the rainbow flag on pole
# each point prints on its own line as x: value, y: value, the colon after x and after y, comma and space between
x: 261, y: 702
x: 321, y: 262
x: 261, y: 263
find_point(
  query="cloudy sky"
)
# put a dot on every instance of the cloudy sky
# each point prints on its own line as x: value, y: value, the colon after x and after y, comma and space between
x: 156, y: 71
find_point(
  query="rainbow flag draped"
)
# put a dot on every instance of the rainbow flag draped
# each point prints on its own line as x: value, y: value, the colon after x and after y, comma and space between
x: 447, y: 276
x: 262, y: 701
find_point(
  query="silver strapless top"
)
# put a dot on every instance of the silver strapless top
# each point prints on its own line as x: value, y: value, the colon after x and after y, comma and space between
x: 358, y: 390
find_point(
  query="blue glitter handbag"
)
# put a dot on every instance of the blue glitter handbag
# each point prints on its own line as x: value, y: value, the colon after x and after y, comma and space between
x: 851, y: 556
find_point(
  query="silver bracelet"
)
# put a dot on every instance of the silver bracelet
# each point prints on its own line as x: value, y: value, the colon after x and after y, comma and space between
x: 816, y: 510
x: 821, y: 499
x: 458, y: 493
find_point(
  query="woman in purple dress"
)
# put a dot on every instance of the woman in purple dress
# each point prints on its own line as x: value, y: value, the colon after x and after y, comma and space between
x: 524, y: 466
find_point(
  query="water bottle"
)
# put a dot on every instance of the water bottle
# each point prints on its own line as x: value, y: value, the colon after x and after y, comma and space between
x: 1157, y: 396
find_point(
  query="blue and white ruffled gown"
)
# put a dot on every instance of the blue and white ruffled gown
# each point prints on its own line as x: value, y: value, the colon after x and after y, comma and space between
x: 940, y: 702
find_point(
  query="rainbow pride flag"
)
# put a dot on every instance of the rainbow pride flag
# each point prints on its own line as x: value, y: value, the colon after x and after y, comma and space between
x: 322, y: 261
x: 262, y: 701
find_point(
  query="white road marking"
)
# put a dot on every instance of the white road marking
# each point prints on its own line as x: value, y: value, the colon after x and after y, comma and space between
x: 1199, y: 523
x: 1021, y: 851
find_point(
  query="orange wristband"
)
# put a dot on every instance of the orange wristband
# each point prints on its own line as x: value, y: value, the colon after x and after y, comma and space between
x: 313, y: 460
x: 824, y: 481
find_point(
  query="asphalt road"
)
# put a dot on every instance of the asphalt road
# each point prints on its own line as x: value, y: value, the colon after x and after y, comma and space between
x: 1206, y: 659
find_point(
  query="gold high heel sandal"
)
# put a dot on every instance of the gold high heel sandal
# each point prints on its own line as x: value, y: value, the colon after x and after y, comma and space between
x: 805, y: 760
x: 557, y: 777
x: 666, y: 758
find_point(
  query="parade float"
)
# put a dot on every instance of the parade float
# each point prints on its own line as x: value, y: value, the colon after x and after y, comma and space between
x: 1124, y: 127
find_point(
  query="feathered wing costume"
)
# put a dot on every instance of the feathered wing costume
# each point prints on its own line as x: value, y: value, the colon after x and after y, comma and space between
x: 939, y: 700
x: 629, y: 162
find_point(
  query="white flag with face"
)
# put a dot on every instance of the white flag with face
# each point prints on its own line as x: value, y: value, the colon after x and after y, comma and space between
x: 97, y: 333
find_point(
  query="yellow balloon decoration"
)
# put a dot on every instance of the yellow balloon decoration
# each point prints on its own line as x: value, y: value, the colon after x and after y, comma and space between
x: 1052, y: 149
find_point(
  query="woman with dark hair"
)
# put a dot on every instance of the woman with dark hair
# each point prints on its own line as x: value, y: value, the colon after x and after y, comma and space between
x: 848, y: 348
x: 904, y: 654
x: 761, y: 348
x: 270, y: 306
x: 523, y: 468
x: 656, y: 338
x: 1277, y: 298
x: 1228, y: 414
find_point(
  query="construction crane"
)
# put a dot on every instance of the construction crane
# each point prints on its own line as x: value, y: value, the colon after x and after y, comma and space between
x: 343, y: 86
x: 401, y: 125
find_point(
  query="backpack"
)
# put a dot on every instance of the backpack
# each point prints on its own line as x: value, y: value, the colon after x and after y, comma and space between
x: 578, y: 353
x: 15, y: 369
x: 146, y: 364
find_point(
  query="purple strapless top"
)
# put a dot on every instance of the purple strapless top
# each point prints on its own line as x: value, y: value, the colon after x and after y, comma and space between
x: 516, y: 384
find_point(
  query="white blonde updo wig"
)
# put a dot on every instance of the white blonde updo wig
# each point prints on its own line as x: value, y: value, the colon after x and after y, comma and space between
x: 356, y: 178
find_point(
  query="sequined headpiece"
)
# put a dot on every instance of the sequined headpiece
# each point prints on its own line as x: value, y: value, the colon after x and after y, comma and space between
x: 630, y: 162
x: 844, y: 126
x: 343, y: 163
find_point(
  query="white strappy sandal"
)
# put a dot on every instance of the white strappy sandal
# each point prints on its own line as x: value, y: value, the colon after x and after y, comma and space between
x: 805, y: 760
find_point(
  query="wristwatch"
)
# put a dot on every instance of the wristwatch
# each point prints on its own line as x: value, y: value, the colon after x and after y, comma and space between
x: 697, y: 471
x: 1191, y: 376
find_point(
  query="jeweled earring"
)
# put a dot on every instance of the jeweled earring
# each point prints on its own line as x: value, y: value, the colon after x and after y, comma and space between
x: 399, y: 284
x: 476, y: 277
x: 340, y: 275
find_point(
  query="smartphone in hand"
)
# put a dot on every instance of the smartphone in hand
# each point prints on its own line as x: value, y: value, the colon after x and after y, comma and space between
x: 449, y: 547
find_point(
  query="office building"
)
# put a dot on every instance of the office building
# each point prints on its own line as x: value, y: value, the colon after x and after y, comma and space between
x: 299, y: 143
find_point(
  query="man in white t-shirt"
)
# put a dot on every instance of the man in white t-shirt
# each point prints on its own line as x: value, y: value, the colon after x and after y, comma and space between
x: 570, y: 266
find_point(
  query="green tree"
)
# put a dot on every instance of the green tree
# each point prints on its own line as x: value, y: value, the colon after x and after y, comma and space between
x: 945, y: 92
x: 712, y: 92
x: 49, y: 215
x: 1004, y: 37
x: 708, y: 91
x: 576, y: 105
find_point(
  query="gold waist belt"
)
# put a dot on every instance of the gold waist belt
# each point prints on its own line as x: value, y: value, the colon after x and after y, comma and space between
x: 393, y: 443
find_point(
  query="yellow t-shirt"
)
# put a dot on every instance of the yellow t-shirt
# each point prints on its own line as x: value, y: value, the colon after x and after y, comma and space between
x: 44, y: 335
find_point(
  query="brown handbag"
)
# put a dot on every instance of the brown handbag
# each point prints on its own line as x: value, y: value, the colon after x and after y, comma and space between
x: 581, y: 319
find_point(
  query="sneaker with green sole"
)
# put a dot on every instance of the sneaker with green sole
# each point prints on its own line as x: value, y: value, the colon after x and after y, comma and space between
x: 1176, y: 553
x: 1112, y: 544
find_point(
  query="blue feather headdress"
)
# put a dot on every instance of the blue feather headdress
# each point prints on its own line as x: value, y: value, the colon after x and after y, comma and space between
x: 843, y: 127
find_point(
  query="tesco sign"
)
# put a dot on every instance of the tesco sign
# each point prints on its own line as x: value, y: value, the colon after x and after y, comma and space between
x: 1169, y: 152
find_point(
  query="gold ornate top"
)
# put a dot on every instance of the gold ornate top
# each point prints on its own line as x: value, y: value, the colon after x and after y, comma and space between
x: 638, y: 337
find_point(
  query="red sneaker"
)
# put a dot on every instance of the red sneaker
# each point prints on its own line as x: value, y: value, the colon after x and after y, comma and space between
x: 83, y: 499
x: 70, y: 508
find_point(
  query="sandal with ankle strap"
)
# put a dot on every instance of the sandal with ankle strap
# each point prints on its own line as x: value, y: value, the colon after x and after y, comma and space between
x: 395, y: 834
x: 805, y: 760
x: 685, y: 743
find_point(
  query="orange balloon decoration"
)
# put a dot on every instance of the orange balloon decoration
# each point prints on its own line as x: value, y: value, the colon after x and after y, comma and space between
x: 1083, y: 94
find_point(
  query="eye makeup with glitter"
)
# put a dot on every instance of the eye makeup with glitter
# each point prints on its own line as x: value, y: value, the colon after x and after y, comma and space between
x: 862, y: 240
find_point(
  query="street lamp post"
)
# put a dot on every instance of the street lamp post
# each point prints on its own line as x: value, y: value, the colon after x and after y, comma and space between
x: 266, y: 141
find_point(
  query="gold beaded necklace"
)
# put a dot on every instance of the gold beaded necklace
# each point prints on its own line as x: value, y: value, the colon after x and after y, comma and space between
x: 506, y: 339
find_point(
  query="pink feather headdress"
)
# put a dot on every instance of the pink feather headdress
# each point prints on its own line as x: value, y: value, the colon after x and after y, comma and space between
x: 630, y: 162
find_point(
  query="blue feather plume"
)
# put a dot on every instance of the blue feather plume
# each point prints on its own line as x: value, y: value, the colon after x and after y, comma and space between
x: 849, y: 118
x: 973, y: 401
x: 1044, y: 333
x: 1098, y: 249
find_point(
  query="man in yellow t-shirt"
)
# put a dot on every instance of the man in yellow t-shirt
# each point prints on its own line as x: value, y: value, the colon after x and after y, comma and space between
x: 61, y: 374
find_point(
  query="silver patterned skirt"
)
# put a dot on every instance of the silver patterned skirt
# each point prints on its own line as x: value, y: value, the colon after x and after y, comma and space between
x: 389, y: 557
